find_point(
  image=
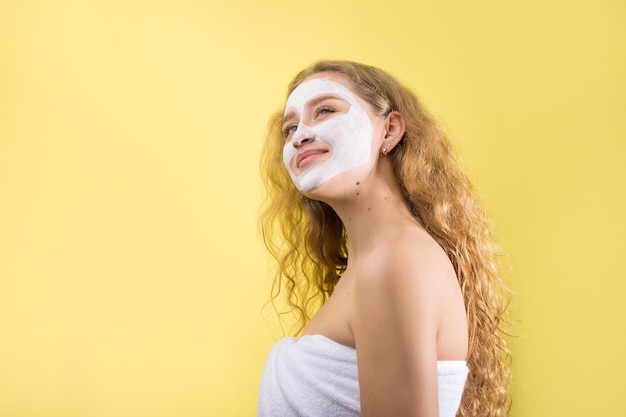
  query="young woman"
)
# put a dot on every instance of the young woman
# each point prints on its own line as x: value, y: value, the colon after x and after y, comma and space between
x: 379, y: 238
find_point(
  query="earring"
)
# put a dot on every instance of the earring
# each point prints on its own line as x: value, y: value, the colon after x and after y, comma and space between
x: 385, y: 151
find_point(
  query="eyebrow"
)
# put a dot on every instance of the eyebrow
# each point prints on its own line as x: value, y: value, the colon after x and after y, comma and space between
x: 322, y: 97
x: 312, y: 102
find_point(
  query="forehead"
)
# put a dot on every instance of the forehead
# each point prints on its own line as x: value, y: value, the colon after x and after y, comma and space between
x: 314, y: 87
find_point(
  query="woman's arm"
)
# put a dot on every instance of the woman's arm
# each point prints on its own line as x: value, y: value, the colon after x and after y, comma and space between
x: 399, y: 295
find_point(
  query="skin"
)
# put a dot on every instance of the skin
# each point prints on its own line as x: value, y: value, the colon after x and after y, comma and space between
x: 398, y: 302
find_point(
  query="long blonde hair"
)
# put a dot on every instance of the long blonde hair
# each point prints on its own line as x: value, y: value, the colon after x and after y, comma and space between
x: 308, y: 240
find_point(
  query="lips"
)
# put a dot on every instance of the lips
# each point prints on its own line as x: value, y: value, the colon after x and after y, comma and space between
x: 307, y: 157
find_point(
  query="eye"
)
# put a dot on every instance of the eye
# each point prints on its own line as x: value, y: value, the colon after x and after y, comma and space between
x: 323, y: 110
x: 289, y: 130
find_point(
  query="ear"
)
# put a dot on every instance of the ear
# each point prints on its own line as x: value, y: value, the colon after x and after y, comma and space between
x: 395, y: 126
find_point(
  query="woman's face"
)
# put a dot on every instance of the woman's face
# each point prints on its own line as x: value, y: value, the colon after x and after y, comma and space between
x: 327, y: 131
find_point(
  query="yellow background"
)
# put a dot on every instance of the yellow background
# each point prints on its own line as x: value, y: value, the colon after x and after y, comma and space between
x: 132, y: 276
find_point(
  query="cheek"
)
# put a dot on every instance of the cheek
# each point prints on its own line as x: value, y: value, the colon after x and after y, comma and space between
x: 338, y: 131
x: 289, y: 152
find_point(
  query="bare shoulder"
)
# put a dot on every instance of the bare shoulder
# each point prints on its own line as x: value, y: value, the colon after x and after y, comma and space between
x: 407, y: 289
x: 405, y: 296
x: 410, y: 260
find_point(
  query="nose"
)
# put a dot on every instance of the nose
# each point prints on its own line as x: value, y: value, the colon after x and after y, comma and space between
x: 302, y: 136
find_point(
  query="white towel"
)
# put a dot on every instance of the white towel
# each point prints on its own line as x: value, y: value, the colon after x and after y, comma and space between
x: 313, y: 376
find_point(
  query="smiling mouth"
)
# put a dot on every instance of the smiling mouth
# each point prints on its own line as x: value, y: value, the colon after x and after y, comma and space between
x: 307, y: 158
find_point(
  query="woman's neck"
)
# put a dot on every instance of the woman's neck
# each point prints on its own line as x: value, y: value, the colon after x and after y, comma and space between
x: 377, y: 213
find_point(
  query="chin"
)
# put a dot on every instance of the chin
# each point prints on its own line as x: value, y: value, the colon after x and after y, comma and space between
x: 337, y: 188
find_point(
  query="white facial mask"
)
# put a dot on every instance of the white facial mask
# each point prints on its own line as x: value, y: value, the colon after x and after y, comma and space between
x: 349, y: 135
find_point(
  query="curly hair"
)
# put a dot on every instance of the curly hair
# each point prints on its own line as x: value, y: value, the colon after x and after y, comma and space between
x: 308, y: 240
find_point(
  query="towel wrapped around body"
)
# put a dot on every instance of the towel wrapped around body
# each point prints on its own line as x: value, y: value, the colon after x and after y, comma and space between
x: 313, y: 376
